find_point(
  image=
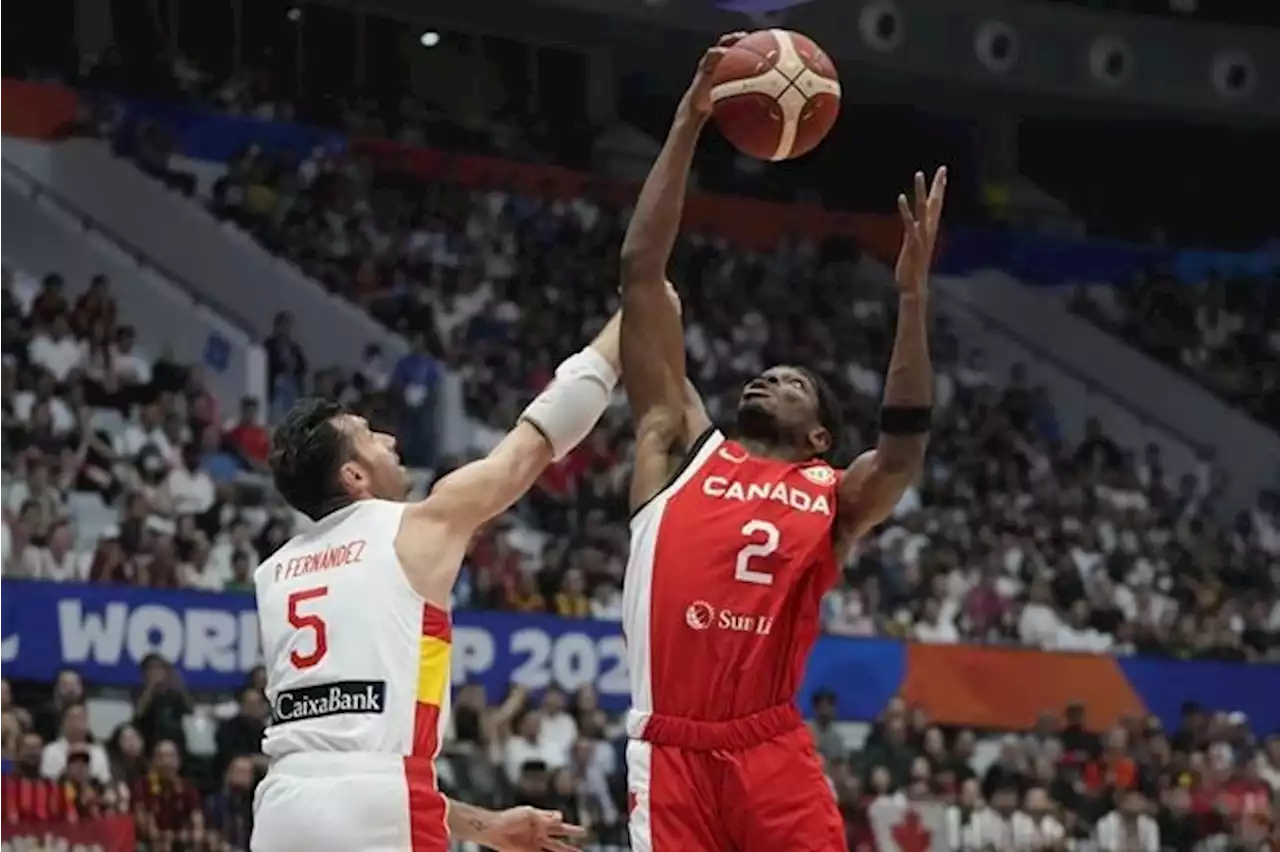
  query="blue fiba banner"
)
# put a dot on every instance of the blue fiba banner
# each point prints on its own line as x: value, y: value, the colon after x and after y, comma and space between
x: 104, y: 632
x: 213, y: 136
x: 1052, y: 260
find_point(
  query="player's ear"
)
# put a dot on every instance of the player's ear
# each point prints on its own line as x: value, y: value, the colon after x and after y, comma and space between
x: 819, y: 440
x: 353, y: 479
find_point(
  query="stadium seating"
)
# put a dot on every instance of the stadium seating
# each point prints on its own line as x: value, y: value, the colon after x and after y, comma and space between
x: 130, y: 472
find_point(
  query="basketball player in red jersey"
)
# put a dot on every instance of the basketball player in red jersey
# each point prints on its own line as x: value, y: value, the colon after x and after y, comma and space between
x: 734, y: 542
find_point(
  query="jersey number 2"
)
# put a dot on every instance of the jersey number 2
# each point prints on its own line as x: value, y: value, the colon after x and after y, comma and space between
x: 764, y: 542
x: 308, y: 621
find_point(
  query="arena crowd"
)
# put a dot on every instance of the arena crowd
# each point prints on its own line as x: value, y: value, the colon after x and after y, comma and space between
x: 1209, y: 785
x: 122, y: 467
x: 1223, y: 333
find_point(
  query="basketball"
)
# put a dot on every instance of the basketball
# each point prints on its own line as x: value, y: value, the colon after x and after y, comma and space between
x: 775, y: 95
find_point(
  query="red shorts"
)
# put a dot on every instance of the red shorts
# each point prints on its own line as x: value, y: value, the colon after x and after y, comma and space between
x: 747, y: 785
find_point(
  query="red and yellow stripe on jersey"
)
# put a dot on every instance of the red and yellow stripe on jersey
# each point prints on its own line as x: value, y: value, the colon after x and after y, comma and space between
x: 427, y: 809
x: 434, y: 647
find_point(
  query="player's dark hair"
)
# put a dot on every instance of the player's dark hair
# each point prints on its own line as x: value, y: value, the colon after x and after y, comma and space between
x: 830, y: 412
x: 307, y: 450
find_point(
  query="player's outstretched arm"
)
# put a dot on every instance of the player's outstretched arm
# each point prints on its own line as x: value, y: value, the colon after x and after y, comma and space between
x: 877, y: 479
x: 550, y: 427
x: 653, y: 356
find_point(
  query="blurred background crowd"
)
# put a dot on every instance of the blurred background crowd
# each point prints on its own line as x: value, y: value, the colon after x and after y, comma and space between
x: 125, y: 465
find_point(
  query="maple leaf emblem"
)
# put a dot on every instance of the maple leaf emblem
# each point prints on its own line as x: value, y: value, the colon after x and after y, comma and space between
x: 911, y: 835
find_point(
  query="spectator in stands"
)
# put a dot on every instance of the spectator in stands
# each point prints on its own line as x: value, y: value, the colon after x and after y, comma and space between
x: 1114, y: 769
x: 571, y: 600
x: 241, y: 735
x: 525, y: 746
x: 132, y: 372
x: 526, y: 596
x: 68, y: 689
x: 1128, y: 827
x: 416, y: 382
x: 37, y: 398
x: 85, y: 793
x: 50, y: 302
x: 162, y: 703
x: 286, y: 364
x: 57, y: 560
x: 109, y: 562
x: 373, y: 376
x: 890, y: 749
x: 95, y: 308
x: 38, y: 494
x: 74, y: 736
x: 993, y: 822
x: 1178, y: 827
x: 190, y: 488
x: 166, y: 806
x: 566, y: 796
x: 532, y: 785
x: 557, y: 729
x: 1008, y: 770
x: 127, y: 753
x: 827, y: 738
x: 1035, y: 826
x: 28, y: 797
x: 145, y: 433
x: 229, y: 810
x: 56, y: 350
x: 248, y: 437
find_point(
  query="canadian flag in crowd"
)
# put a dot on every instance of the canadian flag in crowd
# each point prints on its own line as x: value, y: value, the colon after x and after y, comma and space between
x: 900, y: 825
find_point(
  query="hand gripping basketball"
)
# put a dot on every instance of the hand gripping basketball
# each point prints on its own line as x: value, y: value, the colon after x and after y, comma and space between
x: 698, y: 98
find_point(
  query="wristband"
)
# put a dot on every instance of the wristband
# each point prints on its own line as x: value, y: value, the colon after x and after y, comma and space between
x: 567, y: 410
x: 906, y: 419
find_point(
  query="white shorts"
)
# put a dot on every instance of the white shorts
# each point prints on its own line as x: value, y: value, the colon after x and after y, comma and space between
x: 349, y: 802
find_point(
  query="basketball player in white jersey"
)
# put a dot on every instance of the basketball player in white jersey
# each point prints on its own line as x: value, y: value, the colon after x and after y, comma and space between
x: 355, y: 625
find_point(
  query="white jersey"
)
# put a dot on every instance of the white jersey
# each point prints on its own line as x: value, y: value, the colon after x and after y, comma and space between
x: 356, y: 660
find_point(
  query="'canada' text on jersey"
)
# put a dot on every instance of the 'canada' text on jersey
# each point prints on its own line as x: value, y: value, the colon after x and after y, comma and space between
x: 724, y: 585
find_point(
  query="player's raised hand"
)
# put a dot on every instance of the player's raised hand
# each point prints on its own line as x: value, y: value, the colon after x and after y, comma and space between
x: 920, y: 218
x: 698, y: 98
x: 527, y: 829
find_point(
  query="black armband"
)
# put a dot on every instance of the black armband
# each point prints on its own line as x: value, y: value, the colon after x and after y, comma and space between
x: 906, y: 419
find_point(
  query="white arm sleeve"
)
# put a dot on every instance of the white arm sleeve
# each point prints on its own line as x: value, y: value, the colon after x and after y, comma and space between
x: 567, y: 409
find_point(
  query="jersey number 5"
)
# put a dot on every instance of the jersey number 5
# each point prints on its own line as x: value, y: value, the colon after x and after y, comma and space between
x: 308, y: 621
x: 764, y: 541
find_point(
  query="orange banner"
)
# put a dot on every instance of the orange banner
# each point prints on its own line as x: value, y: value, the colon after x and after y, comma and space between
x: 37, y: 110
x: 1008, y: 689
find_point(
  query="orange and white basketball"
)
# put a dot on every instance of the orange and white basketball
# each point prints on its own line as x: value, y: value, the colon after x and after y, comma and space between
x: 775, y: 95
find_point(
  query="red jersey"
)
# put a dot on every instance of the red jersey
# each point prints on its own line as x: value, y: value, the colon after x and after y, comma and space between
x: 724, y: 585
